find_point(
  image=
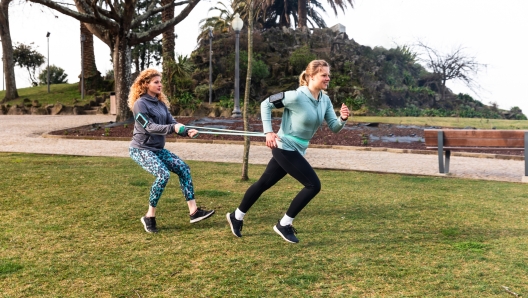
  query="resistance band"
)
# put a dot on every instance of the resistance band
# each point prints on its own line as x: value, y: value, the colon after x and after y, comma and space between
x: 231, y: 132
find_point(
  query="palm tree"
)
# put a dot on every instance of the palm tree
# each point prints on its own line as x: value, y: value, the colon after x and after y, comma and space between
x: 334, y: 4
x: 278, y: 13
x: 220, y: 23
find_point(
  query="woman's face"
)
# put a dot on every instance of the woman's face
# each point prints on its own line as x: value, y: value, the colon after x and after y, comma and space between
x: 154, y: 86
x: 321, y: 79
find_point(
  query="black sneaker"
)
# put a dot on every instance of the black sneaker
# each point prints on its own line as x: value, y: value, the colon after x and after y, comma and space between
x: 236, y: 225
x: 287, y: 233
x: 201, y: 214
x: 149, y: 223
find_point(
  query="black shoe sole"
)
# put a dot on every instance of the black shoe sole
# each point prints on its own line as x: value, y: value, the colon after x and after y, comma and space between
x: 231, y: 225
x: 278, y: 232
x: 203, y: 217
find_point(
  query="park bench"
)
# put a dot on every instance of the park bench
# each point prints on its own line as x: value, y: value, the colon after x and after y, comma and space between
x: 453, y: 139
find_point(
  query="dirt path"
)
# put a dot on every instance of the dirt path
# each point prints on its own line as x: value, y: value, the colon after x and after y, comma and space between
x: 24, y: 134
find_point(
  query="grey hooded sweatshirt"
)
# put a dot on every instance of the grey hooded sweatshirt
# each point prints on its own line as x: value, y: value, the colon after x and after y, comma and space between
x: 160, y: 123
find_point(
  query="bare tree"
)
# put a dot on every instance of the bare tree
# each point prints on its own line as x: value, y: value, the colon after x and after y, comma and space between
x: 7, y: 53
x: 451, y: 66
x: 114, y: 22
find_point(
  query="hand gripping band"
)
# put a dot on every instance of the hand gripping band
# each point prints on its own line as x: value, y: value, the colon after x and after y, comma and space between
x: 181, y: 129
x: 276, y: 100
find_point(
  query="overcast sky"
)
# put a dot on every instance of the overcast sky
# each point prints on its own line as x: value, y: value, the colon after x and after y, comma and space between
x: 494, y: 32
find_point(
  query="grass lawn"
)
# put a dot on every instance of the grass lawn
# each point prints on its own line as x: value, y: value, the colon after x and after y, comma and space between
x: 63, y: 93
x: 71, y: 228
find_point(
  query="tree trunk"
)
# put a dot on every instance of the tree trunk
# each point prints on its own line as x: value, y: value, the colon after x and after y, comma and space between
x: 88, y: 60
x: 301, y: 10
x: 122, y: 58
x: 245, y: 158
x: 7, y: 53
x: 167, y: 46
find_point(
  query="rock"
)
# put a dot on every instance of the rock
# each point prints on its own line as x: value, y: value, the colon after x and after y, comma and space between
x: 56, y: 109
x: 38, y: 111
x: 36, y: 104
x: 16, y: 110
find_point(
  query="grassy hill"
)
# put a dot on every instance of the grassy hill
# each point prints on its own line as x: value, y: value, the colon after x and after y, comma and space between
x: 63, y: 93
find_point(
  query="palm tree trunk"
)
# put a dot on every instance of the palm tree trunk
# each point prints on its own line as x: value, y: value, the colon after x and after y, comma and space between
x: 122, y: 58
x: 167, y: 47
x: 245, y: 159
x: 88, y: 60
x: 7, y: 53
x: 301, y: 10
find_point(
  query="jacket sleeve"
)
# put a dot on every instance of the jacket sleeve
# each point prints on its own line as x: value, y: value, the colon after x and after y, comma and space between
x: 334, y: 123
x: 266, y: 106
x: 151, y: 127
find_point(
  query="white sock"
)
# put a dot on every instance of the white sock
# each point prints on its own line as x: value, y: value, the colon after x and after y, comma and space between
x: 239, y: 215
x: 286, y: 220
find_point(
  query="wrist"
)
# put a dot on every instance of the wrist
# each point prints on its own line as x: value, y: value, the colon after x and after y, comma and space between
x: 345, y: 119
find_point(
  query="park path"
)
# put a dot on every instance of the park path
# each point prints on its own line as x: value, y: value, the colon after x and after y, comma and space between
x: 25, y: 134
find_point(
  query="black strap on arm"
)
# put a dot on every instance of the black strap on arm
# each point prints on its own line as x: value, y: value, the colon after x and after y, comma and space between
x: 276, y: 100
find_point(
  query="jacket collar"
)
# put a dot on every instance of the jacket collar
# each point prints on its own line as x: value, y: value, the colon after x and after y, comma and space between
x: 148, y: 97
x: 306, y: 91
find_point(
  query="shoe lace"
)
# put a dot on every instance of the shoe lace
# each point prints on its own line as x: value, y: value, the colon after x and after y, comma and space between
x: 291, y: 230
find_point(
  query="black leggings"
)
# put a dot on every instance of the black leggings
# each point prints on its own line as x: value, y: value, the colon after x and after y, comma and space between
x: 285, y: 162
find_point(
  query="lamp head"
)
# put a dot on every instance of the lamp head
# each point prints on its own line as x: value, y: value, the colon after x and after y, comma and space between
x: 237, y: 23
x: 47, y: 35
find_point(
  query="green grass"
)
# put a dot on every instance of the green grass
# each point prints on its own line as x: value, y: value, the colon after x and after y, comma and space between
x: 70, y: 228
x: 63, y: 93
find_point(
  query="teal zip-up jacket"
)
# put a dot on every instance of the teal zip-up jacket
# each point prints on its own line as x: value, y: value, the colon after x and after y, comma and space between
x: 302, y: 116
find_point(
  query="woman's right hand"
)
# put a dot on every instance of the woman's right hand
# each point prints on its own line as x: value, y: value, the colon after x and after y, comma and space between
x: 271, y: 140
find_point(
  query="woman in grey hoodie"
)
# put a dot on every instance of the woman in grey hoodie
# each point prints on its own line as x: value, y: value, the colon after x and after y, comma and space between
x: 305, y: 109
x: 153, y: 123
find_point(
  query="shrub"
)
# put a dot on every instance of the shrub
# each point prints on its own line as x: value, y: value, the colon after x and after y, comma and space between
x: 300, y: 58
x: 57, y: 76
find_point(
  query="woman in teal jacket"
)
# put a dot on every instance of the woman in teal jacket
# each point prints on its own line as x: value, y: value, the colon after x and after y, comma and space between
x: 304, y: 112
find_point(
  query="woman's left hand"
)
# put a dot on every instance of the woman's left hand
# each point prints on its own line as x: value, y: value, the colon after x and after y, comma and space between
x: 192, y: 133
x: 344, y: 112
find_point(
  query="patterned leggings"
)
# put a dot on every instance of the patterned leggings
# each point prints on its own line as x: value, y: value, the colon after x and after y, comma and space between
x: 159, y: 164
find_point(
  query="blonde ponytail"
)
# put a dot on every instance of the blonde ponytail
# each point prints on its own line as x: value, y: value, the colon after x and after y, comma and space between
x: 302, y: 79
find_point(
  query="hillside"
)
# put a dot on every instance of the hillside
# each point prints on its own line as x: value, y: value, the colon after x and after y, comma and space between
x: 373, y: 81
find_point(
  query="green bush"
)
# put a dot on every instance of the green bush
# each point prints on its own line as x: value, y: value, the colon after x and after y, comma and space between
x: 185, y: 100
x: 226, y: 102
x: 57, y: 76
x: 202, y: 92
x: 259, y: 69
x: 300, y: 58
x: 355, y: 103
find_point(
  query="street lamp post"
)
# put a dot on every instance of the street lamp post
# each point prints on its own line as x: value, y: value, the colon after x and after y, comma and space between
x: 83, y: 38
x: 210, y: 64
x: 237, y: 24
x: 48, y: 71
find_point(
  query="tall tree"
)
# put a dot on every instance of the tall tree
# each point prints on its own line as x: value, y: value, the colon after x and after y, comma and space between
x: 168, y: 44
x: 91, y: 74
x: 114, y: 22
x: 245, y: 158
x: 7, y: 53
x: 451, y: 66
x: 26, y: 57
x: 334, y: 4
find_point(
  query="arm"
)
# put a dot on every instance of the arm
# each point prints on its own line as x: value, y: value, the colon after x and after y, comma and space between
x: 334, y: 123
x: 151, y: 127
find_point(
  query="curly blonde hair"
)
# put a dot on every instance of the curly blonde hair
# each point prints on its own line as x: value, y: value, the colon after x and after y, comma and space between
x: 313, y: 68
x: 140, y: 87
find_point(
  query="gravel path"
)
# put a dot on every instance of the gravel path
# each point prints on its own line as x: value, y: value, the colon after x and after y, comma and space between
x: 24, y: 134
